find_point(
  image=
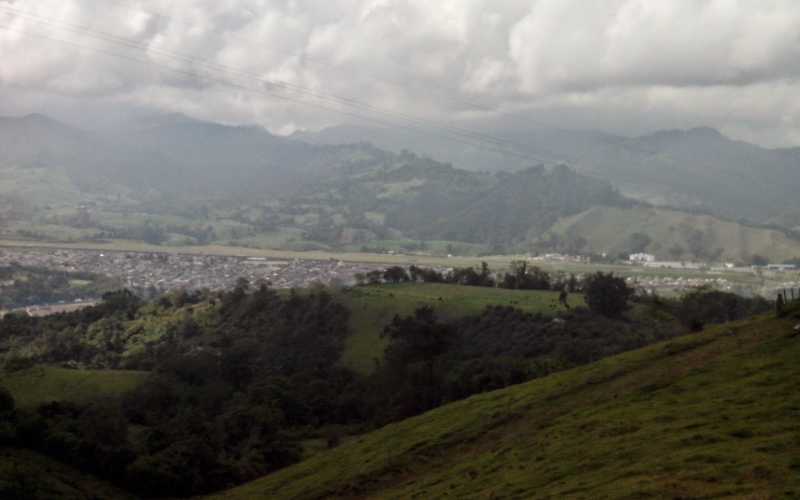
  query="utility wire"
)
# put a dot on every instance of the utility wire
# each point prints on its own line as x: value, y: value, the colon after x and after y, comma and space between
x: 462, y: 135
x: 111, y: 38
x: 259, y: 91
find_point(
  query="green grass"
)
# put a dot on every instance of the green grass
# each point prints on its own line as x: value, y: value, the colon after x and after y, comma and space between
x: 711, y: 415
x: 41, y: 384
x: 26, y: 474
x: 373, y: 307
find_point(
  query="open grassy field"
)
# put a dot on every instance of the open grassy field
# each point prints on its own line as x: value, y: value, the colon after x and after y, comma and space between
x: 374, y: 306
x: 28, y: 475
x: 710, y: 415
x: 41, y: 384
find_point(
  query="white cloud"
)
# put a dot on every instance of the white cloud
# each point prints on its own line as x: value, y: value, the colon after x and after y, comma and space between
x: 732, y: 64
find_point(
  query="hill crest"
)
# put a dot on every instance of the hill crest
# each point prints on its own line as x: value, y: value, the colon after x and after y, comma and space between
x: 711, y: 414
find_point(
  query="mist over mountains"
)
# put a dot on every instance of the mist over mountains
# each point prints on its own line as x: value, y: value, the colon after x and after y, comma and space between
x: 349, y: 187
x: 697, y: 168
x: 171, y: 154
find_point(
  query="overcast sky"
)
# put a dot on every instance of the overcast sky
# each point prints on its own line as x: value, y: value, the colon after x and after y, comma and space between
x: 628, y: 66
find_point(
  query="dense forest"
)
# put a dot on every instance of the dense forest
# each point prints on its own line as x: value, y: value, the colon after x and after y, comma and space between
x: 241, y: 380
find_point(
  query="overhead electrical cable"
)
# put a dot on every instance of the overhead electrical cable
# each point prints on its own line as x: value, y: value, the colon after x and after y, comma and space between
x: 409, y: 122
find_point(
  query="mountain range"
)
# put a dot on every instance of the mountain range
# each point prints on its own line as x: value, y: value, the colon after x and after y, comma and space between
x: 338, y: 189
x: 697, y: 169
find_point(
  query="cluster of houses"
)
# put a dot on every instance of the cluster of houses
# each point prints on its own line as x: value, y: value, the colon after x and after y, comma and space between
x: 163, y: 271
x: 649, y: 260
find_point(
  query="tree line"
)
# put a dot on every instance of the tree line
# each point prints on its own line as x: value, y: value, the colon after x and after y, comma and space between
x: 520, y: 276
x: 241, y: 379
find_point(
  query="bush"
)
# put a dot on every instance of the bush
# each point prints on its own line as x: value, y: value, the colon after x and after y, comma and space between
x: 607, y: 294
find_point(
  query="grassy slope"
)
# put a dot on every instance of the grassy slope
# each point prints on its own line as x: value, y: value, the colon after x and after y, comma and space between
x: 374, y: 306
x: 607, y: 228
x: 41, y: 384
x: 26, y: 474
x: 709, y: 415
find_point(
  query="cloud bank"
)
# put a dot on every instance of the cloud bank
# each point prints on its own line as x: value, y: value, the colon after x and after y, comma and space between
x: 622, y: 65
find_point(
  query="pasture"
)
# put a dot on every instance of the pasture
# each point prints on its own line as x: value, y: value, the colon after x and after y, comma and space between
x: 374, y: 306
x: 709, y: 415
x: 41, y: 384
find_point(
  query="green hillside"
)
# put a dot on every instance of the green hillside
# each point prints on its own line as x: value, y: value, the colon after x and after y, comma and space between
x: 709, y: 415
x: 41, y: 384
x: 373, y: 307
x: 672, y: 235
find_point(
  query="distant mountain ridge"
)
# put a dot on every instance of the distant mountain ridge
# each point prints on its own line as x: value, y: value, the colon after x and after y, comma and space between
x: 418, y: 198
x: 171, y: 154
x: 697, y: 168
x: 354, y: 194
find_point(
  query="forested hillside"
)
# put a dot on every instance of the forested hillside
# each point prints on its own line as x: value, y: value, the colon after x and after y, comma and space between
x: 706, y: 416
x: 196, y: 392
x: 418, y: 199
x: 179, y: 181
x: 696, y: 168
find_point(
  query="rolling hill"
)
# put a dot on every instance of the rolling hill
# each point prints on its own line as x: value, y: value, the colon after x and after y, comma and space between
x: 175, y: 179
x: 708, y: 415
x: 671, y: 235
x: 169, y: 155
x: 374, y: 307
x: 697, y: 167
x: 419, y: 199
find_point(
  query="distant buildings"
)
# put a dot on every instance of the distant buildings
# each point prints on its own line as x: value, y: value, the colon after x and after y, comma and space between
x: 780, y: 267
x: 559, y: 257
x: 143, y: 271
x: 641, y: 258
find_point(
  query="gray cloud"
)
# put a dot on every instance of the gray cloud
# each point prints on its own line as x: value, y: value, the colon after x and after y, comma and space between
x: 623, y: 65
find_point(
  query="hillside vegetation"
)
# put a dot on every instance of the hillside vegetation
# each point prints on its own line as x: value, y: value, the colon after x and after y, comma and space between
x: 671, y: 235
x: 374, y: 307
x: 708, y: 415
x: 43, y: 384
x: 232, y: 385
x: 29, y: 475
x: 697, y: 167
x: 68, y: 185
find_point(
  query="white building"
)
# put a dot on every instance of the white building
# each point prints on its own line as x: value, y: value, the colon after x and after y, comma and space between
x: 641, y: 257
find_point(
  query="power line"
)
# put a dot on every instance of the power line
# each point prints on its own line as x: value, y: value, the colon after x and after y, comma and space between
x: 111, y: 38
x: 462, y: 135
x: 162, y: 16
x: 227, y: 82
